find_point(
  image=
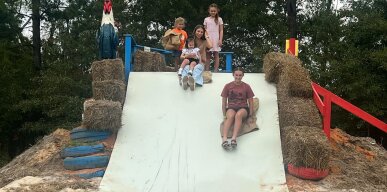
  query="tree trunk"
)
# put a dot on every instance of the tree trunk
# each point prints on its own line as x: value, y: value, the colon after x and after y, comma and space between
x: 36, y: 42
x: 291, y: 6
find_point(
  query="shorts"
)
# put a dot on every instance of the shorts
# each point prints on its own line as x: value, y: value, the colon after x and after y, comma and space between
x: 236, y: 109
x: 192, y: 60
x: 176, y: 53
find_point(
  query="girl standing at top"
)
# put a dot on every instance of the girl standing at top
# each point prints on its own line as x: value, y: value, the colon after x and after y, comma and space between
x: 214, y: 26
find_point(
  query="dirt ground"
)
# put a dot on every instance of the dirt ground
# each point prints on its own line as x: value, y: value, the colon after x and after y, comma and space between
x: 356, y: 165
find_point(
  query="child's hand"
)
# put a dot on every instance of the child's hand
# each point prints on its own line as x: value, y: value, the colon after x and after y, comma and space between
x: 191, y: 55
x: 220, y: 43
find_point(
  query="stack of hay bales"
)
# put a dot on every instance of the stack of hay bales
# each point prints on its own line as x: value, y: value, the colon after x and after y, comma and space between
x: 149, y: 62
x: 104, y: 112
x: 303, y: 141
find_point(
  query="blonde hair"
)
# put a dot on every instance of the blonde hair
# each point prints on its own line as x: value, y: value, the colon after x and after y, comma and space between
x: 179, y: 20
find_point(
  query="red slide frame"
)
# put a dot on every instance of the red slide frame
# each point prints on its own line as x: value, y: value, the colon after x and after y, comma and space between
x: 325, y: 109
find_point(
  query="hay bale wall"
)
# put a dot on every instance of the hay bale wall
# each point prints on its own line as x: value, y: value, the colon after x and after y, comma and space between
x: 148, y: 61
x: 108, y: 69
x: 109, y: 90
x: 305, y: 146
x: 102, y: 115
x: 303, y: 141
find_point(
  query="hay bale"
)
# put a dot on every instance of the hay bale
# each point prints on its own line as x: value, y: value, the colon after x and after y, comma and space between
x: 109, y: 90
x: 296, y: 111
x: 297, y: 80
x: 272, y: 66
x: 274, y: 62
x: 207, y: 76
x: 148, y: 61
x: 108, y: 69
x: 305, y: 146
x: 102, y: 115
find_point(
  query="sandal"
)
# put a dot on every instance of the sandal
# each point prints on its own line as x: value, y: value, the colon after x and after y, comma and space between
x: 225, y: 145
x: 233, y: 143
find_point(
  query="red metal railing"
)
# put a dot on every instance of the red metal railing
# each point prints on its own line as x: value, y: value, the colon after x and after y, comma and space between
x: 325, y: 109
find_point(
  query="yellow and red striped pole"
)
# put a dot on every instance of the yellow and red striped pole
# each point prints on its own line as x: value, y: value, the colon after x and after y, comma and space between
x: 292, y: 46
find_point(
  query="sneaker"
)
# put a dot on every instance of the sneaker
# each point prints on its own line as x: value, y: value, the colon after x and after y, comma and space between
x: 180, y: 71
x: 185, y: 82
x: 191, y: 83
x: 190, y: 72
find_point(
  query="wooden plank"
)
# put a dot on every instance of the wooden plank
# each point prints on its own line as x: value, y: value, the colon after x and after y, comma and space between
x: 98, y: 173
x: 88, y: 162
x: 79, y: 151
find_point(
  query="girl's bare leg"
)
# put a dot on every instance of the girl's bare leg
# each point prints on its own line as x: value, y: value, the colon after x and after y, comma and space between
x: 192, y: 65
x: 239, y: 116
x: 216, y: 62
x: 230, y: 116
x: 184, y: 63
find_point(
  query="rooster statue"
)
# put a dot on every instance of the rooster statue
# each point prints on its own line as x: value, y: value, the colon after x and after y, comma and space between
x: 107, y: 38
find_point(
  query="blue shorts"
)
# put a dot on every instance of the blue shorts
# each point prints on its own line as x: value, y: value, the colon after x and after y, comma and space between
x: 176, y: 53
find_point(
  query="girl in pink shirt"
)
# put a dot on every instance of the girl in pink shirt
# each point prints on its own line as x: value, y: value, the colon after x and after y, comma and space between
x: 214, y: 26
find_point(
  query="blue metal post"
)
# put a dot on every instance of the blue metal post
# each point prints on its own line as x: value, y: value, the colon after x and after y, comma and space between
x: 229, y: 62
x: 128, y: 55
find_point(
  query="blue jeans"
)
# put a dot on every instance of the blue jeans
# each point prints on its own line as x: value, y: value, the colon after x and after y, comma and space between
x: 196, y: 73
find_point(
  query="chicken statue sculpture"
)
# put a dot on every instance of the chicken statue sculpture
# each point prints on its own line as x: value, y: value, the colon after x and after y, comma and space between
x: 107, y: 37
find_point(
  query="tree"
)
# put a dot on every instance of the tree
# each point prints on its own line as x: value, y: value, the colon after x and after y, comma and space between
x: 291, y: 7
x: 36, y: 34
x: 15, y: 71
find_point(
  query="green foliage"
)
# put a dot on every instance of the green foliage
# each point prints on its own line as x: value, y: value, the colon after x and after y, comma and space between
x: 15, y: 71
x: 346, y: 52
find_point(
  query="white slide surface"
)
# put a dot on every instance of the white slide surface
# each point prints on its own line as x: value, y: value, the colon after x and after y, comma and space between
x: 170, y: 140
